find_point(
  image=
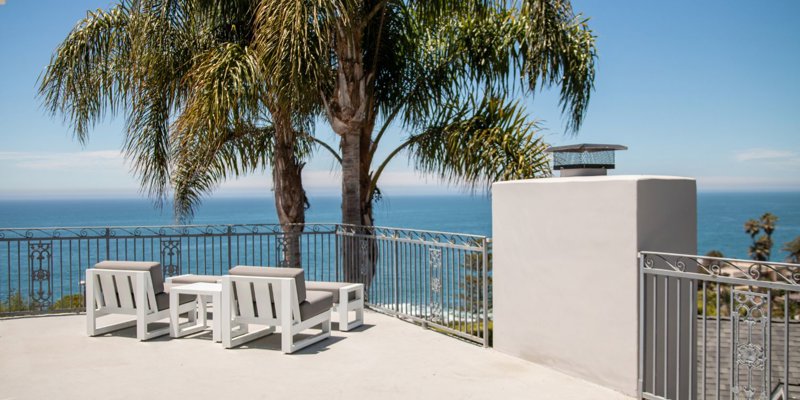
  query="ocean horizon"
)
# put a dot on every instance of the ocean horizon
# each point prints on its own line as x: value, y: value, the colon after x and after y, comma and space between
x: 721, y: 215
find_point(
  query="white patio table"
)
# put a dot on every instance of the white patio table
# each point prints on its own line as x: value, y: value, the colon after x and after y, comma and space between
x: 205, y: 292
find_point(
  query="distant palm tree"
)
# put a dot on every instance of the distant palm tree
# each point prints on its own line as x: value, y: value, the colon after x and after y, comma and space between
x: 713, y: 253
x: 198, y: 105
x: 761, y: 247
x: 793, y: 248
x: 752, y: 227
x: 768, y: 221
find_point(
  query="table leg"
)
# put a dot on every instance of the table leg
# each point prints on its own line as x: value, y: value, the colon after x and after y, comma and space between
x: 216, y: 321
x: 203, y: 309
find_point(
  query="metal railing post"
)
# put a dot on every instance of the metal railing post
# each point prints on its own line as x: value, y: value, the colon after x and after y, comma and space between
x: 336, y: 257
x: 230, y: 259
x: 641, y: 305
x: 485, y: 287
x: 108, y: 243
x: 396, y: 274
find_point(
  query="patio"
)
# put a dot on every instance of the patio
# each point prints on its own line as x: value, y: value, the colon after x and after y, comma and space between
x: 51, y: 357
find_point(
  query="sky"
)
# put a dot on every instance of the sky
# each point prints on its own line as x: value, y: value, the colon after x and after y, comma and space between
x: 703, y: 89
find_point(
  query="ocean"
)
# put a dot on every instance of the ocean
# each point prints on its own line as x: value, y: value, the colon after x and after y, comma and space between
x: 721, y: 216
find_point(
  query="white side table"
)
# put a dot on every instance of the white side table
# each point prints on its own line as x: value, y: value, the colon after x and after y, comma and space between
x: 204, y: 291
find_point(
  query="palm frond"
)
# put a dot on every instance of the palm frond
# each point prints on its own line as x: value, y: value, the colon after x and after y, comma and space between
x: 202, y: 162
x: 294, y: 38
x: 86, y: 74
x: 542, y: 43
x: 478, y: 142
x: 225, y: 90
x: 558, y: 48
x: 147, y: 144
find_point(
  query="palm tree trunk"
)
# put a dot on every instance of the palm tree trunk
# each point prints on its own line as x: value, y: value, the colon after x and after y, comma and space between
x: 351, y: 178
x: 358, y: 251
x: 351, y: 117
x: 290, y: 198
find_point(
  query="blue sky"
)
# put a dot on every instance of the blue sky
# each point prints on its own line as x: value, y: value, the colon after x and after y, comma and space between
x: 703, y: 89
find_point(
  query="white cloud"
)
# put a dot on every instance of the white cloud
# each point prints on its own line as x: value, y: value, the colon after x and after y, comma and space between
x: 61, y: 161
x: 101, y: 170
x: 330, y: 182
x: 765, y: 154
x: 745, y: 183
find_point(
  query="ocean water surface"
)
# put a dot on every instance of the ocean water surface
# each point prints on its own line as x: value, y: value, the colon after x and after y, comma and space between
x: 721, y: 216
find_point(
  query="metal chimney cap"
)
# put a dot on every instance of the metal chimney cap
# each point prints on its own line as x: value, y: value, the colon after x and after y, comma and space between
x: 584, y: 159
x: 585, y: 148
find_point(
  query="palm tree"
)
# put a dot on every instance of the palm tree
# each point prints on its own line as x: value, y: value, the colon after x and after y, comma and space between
x: 761, y: 248
x: 768, y: 221
x: 793, y: 248
x: 752, y: 227
x: 442, y: 70
x: 198, y: 106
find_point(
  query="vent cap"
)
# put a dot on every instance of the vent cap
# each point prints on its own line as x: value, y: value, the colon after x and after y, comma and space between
x: 586, y: 159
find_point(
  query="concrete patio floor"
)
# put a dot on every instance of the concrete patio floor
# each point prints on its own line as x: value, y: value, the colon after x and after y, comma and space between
x: 51, y: 357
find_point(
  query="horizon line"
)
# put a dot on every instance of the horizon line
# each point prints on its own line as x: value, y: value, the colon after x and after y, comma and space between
x: 95, y: 196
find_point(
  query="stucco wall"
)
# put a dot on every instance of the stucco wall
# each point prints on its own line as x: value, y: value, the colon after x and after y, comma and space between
x: 566, y: 270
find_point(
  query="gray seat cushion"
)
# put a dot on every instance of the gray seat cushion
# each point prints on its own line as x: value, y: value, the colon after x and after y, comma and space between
x: 269, y: 272
x: 162, y: 300
x: 188, y: 279
x: 330, y: 287
x: 316, y: 303
x: 156, y: 275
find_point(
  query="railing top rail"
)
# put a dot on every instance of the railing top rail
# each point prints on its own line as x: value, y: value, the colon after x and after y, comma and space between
x: 467, y: 241
x: 469, y: 235
x: 43, y: 228
x: 735, y: 260
x: 152, y: 230
x: 221, y: 229
x: 734, y: 271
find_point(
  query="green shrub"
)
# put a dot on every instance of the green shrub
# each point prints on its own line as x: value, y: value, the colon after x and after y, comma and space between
x: 14, y: 303
x: 68, y: 302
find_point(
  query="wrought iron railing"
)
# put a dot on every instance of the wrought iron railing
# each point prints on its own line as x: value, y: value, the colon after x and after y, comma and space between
x: 713, y: 328
x: 440, y: 280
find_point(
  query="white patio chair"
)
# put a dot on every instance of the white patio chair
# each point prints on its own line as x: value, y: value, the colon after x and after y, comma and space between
x: 130, y: 288
x: 275, y: 297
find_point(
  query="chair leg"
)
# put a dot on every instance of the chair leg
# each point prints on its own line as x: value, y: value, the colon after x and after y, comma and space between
x: 91, y: 320
x: 224, y: 315
x: 287, y: 340
x: 174, y: 316
x: 141, y: 324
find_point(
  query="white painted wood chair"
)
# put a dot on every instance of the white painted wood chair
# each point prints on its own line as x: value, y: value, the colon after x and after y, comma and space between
x: 347, y: 297
x: 129, y: 288
x: 271, y: 297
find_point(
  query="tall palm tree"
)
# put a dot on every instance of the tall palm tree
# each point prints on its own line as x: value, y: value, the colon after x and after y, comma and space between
x: 196, y: 100
x: 441, y: 70
x: 444, y: 71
